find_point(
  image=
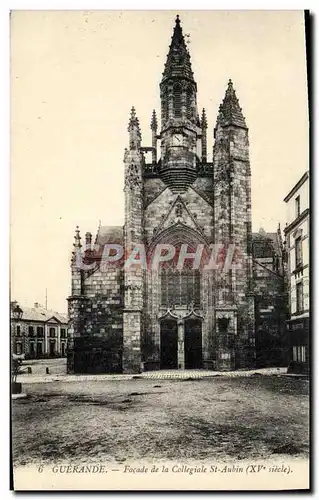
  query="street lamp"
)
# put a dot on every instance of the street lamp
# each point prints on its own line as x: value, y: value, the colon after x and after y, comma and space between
x: 17, y: 312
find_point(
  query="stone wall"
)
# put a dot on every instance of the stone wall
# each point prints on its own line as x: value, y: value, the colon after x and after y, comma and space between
x: 96, y: 323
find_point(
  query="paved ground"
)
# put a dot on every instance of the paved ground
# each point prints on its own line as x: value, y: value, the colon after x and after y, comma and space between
x: 218, y: 418
x: 57, y: 373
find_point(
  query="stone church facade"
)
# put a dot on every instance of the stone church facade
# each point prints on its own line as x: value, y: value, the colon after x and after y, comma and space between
x: 144, y: 317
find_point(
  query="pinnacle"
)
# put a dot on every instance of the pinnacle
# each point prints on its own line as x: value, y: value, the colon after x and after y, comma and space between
x: 133, y: 122
x: 77, y: 238
x: 230, y: 113
x: 204, y: 119
x: 154, y: 121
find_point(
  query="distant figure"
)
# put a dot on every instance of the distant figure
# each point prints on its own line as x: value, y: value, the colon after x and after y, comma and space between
x: 29, y: 370
x: 47, y: 371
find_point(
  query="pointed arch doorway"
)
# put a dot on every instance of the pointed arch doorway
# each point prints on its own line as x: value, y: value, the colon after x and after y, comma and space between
x: 169, y: 344
x: 193, y: 343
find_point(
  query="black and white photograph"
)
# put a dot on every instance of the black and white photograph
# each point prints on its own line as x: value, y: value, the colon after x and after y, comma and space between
x: 159, y: 250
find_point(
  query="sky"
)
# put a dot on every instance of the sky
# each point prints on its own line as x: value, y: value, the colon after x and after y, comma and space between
x: 75, y: 76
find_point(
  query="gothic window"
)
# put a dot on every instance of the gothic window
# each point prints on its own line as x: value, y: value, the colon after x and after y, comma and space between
x: 189, y: 102
x: 177, y: 101
x: 180, y: 287
x: 165, y: 105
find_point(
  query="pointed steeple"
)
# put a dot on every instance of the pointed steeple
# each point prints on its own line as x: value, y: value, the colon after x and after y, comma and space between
x: 134, y: 130
x: 230, y: 113
x: 178, y: 59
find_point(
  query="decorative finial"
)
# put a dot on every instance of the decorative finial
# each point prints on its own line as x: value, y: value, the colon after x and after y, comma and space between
x: 132, y: 116
x: 204, y: 119
x: 134, y: 130
x: 177, y: 20
x: 88, y: 238
x: 133, y: 122
x: 154, y: 121
x: 77, y: 238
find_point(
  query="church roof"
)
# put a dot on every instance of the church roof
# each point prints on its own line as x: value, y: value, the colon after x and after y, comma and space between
x: 178, y: 63
x: 267, y: 238
x: 230, y: 113
x: 110, y: 234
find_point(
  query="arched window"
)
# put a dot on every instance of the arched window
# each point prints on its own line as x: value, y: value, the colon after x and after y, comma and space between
x: 189, y: 102
x: 165, y: 105
x: 177, y: 101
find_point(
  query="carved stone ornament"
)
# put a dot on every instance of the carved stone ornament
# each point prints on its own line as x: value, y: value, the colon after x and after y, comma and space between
x: 132, y: 177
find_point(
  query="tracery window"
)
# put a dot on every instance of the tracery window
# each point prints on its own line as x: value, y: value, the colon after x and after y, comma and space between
x: 180, y: 287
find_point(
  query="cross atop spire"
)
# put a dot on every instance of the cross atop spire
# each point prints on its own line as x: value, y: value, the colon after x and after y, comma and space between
x: 230, y: 113
x: 178, y: 59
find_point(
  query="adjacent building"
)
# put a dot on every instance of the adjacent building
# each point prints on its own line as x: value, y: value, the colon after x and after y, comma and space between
x: 38, y: 332
x: 131, y: 318
x: 297, y: 238
x: 271, y: 298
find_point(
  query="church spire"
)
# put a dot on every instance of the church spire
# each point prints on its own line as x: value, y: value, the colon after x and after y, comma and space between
x: 178, y: 63
x: 230, y: 113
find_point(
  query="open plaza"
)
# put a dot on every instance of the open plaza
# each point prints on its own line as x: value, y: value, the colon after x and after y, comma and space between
x: 173, y: 415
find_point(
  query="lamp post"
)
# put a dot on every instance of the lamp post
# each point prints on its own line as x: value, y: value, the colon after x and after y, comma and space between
x: 17, y: 312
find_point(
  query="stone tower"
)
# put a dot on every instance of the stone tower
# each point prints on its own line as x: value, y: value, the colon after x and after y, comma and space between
x: 180, y: 123
x: 232, y: 214
x: 133, y: 236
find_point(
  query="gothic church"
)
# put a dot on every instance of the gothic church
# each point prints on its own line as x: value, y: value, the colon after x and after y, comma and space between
x: 136, y: 319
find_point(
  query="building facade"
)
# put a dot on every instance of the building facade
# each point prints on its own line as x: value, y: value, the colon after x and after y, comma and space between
x: 271, y: 298
x: 297, y: 237
x: 37, y: 332
x: 144, y: 317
